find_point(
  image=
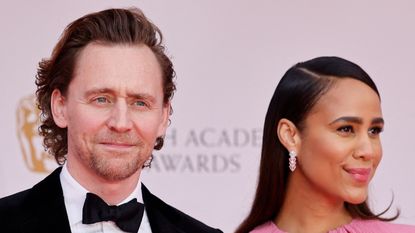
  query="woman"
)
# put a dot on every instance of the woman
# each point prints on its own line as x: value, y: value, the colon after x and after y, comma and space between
x: 320, y: 149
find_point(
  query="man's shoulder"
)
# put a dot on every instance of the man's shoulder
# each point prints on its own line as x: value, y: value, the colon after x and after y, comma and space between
x: 16, y: 204
x: 11, y: 208
x: 169, y: 216
x: 47, y: 185
x: 13, y: 202
x: 24, y: 206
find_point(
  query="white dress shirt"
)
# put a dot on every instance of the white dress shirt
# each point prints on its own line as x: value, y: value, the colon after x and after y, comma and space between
x: 74, y: 196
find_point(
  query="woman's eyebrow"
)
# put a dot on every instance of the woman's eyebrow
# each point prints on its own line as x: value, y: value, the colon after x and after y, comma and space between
x: 357, y: 120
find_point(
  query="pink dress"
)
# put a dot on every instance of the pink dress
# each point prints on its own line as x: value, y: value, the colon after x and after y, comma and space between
x: 356, y: 226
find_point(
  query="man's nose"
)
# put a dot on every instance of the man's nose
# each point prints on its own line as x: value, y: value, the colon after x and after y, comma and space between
x: 120, y: 120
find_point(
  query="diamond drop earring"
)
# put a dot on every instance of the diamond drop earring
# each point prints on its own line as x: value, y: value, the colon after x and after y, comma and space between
x: 292, y: 161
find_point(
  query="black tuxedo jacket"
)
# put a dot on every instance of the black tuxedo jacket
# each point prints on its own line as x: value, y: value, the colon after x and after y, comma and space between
x: 41, y: 209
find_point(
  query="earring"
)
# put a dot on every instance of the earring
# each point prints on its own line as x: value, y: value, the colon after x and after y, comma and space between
x: 159, y: 143
x: 148, y: 162
x: 292, y: 161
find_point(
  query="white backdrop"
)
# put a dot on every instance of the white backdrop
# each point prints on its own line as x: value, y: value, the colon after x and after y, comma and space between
x: 229, y: 56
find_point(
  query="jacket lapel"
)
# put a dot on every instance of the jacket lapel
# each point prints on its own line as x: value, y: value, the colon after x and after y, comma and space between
x: 44, y: 210
x: 164, y: 218
x: 157, y: 213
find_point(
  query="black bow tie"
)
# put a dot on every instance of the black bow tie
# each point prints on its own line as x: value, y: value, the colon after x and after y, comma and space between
x: 126, y: 216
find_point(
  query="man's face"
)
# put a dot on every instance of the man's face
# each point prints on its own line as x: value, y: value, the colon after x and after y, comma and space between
x: 113, y: 110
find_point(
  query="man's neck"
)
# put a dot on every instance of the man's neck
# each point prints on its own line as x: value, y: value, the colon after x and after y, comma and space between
x: 306, y: 209
x: 112, y: 192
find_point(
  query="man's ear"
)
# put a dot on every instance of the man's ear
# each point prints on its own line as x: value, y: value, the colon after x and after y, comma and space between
x: 289, y: 135
x: 58, y: 108
x: 165, y: 119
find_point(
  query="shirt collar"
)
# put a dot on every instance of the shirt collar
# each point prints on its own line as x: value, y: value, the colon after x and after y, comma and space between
x: 75, y: 194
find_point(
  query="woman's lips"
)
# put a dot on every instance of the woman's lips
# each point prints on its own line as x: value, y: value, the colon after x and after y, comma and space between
x: 359, y: 174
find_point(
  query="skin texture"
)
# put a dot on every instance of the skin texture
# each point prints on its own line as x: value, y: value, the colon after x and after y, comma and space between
x: 114, y: 112
x: 338, y: 152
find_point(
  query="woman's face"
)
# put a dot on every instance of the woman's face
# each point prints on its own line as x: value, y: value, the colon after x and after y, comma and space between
x: 340, y: 145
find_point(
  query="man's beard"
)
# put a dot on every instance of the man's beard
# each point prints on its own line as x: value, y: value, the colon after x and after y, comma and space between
x: 114, y: 170
x: 113, y: 166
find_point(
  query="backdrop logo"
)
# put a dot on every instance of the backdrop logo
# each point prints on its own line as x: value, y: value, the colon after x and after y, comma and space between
x: 27, y: 120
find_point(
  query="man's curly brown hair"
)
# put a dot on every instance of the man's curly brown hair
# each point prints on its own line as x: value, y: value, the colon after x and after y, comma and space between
x: 112, y: 26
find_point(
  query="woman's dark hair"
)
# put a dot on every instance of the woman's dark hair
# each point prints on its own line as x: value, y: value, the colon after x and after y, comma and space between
x: 109, y: 27
x: 296, y: 94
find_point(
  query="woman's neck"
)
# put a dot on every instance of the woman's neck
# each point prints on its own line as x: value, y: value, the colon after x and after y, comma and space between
x: 307, y: 209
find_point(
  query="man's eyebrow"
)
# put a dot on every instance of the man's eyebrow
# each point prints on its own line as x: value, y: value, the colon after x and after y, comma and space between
x: 142, y: 96
x: 130, y: 95
x: 357, y: 120
x: 94, y: 91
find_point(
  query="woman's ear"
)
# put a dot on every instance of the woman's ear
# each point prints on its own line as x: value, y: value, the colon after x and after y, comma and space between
x: 58, y: 108
x: 289, y: 135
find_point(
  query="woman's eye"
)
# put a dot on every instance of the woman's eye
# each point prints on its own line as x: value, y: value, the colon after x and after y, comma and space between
x: 375, y: 130
x: 345, y: 129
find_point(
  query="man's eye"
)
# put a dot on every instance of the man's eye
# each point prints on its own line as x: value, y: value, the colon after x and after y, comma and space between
x: 101, y: 100
x: 140, y: 103
x: 345, y: 129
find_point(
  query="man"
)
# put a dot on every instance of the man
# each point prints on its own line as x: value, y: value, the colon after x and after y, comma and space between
x: 105, y: 100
